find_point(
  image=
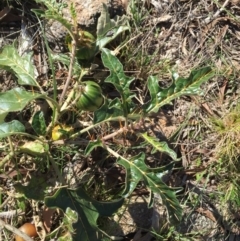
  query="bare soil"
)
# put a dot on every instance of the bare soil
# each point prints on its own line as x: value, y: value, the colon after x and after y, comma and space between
x: 180, y: 35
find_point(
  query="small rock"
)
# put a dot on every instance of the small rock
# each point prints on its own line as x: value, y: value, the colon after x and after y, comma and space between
x: 88, y: 12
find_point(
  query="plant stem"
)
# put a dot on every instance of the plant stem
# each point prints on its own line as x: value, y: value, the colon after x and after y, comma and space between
x: 11, y: 145
x: 29, y: 135
x: 53, y: 102
x: 56, y: 111
x: 6, y: 158
x: 15, y: 230
x: 95, y: 125
x: 118, y: 118
x: 53, y: 72
x: 10, y: 213
x: 70, y: 70
x: 70, y: 96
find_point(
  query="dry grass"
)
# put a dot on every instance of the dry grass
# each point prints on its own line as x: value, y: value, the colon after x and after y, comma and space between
x: 181, y: 36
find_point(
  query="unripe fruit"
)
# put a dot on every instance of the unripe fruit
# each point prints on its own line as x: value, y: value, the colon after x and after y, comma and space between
x: 91, y: 97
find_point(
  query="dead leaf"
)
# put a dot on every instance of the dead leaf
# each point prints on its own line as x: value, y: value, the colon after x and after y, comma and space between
x: 157, y: 5
x: 47, y: 218
x: 222, y: 92
x: 207, y: 109
x: 138, y: 236
x: 207, y: 213
x: 4, y: 12
x: 184, y: 44
x: 164, y: 18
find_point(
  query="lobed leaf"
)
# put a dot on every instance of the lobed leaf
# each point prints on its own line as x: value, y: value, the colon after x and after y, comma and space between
x: 160, y: 146
x: 70, y: 217
x: 137, y: 170
x: 35, y: 189
x: 88, y: 211
x: 92, y: 145
x: 118, y: 78
x: 54, y: 11
x: 179, y: 87
x: 109, y: 110
x: 21, y: 66
x: 53, y: 6
x: 108, y: 29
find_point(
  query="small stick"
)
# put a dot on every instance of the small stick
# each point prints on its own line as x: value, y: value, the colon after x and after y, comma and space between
x: 209, y: 19
x: 69, y: 72
x: 15, y: 230
x: 10, y: 214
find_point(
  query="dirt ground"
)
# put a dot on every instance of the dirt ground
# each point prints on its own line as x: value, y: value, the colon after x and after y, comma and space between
x: 181, y: 35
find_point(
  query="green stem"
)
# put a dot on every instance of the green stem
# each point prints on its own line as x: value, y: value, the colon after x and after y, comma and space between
x: 118, y: 118
x: 112, y: 152
x: 74, y: 43
x: 11, y: 145
x: 53, y: 102
x: 52, y: 68
x: 29, y: 135
x: 95, y: 125
x: 6, y: 159
x: 56, y: 110
x: 73, y: 91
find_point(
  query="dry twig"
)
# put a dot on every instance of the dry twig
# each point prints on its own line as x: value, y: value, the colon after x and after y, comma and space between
x: 15, y: 230
x: 209, y: 19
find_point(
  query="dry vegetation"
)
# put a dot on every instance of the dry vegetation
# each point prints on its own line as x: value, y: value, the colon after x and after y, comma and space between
x: 203, y: 129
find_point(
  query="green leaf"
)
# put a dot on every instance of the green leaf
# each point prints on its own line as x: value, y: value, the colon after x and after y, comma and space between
x: 15, y: 100
x: 69, y: 219
x: 54, y: 12
x: 119, y: 80
x: 160, y: 146
x: 35, y: 189
x: 87, y: 208
x: 35, y: 148
x: 53, y: 6
x: 38, y: 123
x: 179, y: 87
x: 9, y: 128
x: 137, y: 170
x: 109, y: 111
x: 117, y: 76
x: 21, y: 66
x: 108, y: 29
x: 92, y: 145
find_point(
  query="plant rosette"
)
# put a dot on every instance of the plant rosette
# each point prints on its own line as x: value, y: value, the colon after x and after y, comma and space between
x: 90, y: 96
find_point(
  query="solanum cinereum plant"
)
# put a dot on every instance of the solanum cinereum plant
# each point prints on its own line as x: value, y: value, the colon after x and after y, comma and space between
x: 87, y: 96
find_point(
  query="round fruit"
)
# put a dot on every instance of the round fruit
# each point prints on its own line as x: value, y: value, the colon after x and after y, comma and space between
x: 61, y: 132
x: 91, y: 97
x: 29, y: 229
